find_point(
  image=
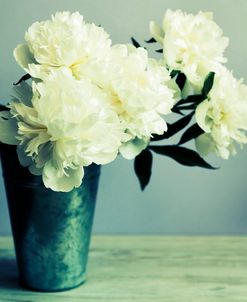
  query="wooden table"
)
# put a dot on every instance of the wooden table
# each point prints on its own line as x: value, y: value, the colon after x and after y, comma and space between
x: 147, y: 269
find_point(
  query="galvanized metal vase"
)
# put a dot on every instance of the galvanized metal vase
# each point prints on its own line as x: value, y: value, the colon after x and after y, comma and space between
x: 51, y: 230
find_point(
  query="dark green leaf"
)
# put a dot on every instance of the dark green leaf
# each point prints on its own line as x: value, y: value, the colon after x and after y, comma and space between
x: 24, y: 78
x: 197, y: 99
x: 135, y: 43
x: 174, y: 128
x: 182, y: 155
x: 152, y: 40
x: 143, y: 167
x: 208, y: 83
x: 3, y: 108
x: 191, y: 133
x: 173, y: 73
x: 187, y: 107
x: 159, y: 50
x: 180, y: 80
x: 182, y: 102
x: 176, y: 110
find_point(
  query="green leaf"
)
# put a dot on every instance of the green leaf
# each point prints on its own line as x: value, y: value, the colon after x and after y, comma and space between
x: 187, y: 107
x: 174, y: 128
x: 191, y: 133
x: 3, y: 108
x: 24, y: 78
x: 180, y: 80
x: 208, y: 83
x: 174, y: 73
x: 152, y: 40
x: 135, y: 43
x: 143, y: 167
x: 159, y: 50
x: 196, y: 99
x: 177, y: 110
x: 182, y: 155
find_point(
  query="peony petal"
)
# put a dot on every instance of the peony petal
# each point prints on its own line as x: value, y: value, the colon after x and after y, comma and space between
x: 204, y: 144
x: 134, y: 147
x: 201, y: 113
x: 41, y: 71
x: 28, y: 115
x: 8, y: 128
x: 225, y: 152
x: 34, y: 170
x: 157, y: 32
x: 61, y: 182
x: 103, y: 158
x: 24, y: 160
x: 33, y: 146
x: 23, y: 92
x: 193, y: 44
x: 23, y: 56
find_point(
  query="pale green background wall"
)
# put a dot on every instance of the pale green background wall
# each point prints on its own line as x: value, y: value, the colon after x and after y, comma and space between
x: 179, y: 200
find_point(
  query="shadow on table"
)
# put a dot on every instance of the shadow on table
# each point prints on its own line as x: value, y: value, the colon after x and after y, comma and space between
x: 8, y: 274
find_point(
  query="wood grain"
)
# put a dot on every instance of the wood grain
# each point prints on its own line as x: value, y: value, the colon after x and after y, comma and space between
x: 147, y: 269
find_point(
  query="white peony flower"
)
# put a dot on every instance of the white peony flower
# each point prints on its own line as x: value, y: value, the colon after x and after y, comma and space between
x: 141, y: 92
x: 223, y: 116
x: 66, y: 125
x: 64, y: 41
x: 192, y: 44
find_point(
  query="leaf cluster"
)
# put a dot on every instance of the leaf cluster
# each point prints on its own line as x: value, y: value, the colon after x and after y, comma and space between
x: 185, y: 156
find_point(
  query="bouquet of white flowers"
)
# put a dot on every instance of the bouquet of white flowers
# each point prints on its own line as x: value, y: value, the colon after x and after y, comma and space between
x: 82, y: 102
x: 90, y: 100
